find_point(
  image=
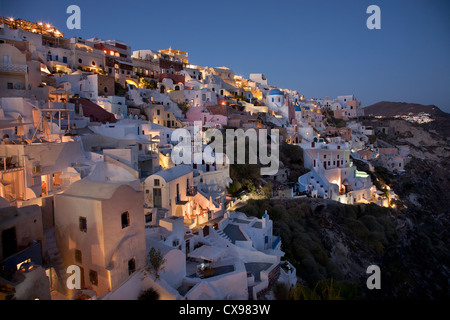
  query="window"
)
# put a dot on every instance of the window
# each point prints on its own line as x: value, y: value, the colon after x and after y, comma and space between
x: 9, y: 85
x: 93, y: 63
x: 125, y: 219
x: 158, y: 112
x: 147, y: 191
x: 156, y: 182
x: 93, y: 277
x: 80, y: 61
x: 78, y: 256
x: 148, y: 218
x: 175, y: 243
x: 131, y: 266
x: 65, y: 59
x: 57, y: 179
x: 83, y: 224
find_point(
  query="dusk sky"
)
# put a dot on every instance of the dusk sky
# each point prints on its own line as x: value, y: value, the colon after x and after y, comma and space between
x: 320, y: 48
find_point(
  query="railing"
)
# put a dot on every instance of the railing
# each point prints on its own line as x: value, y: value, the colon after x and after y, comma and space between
x: 9, y: 265
x: 276, y: 242
x: 17, y: 68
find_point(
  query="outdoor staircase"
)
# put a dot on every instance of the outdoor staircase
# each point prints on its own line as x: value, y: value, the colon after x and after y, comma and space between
x: 223, y: 235
x: 215, y: 240
x: 55, y: 259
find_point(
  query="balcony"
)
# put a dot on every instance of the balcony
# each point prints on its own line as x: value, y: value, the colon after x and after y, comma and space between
x: 191, y: 191
x: 13, y: 68
x: 32, y: 255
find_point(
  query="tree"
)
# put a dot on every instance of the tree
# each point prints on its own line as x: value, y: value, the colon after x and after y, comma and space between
x: 267, y: 189
x: 148, y: 84
x: 281, y: 291
x: 149, y: 294
x: 156, y: 262
x: 120, y: 90
x: 184, y: 107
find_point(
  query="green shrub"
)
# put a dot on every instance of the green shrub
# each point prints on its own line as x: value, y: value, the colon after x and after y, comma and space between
x: 149, y: 294
x: 281, y: 291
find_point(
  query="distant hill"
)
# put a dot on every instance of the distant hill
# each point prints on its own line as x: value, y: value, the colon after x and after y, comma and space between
x: 441, y: 123
x: 390, y: 109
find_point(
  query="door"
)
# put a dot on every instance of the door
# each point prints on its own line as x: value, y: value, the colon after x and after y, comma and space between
x: 157, y: 201
x: 9, y: 242
x: 188, y: 246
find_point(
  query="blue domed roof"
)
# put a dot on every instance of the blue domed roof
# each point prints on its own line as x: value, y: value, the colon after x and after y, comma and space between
x: 275, y: 92
x: 297, y: 108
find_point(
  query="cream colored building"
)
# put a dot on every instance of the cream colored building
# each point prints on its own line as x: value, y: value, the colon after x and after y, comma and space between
x: 13, y: 68
x: 167, y: 191
x: 100, y: 228
x: 38, y: 169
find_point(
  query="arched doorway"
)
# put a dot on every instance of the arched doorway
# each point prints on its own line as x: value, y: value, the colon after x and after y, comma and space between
x: 162, y: 89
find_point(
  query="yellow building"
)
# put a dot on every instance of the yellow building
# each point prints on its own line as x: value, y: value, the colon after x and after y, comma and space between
x: 158, y: 115
x: 176, y: 54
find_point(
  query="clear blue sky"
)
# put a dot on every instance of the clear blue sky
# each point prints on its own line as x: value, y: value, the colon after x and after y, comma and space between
x: 321, y: 48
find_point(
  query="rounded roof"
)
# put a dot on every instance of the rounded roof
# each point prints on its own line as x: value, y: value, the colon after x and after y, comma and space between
x: 274, y: 92
x: 92, y: 189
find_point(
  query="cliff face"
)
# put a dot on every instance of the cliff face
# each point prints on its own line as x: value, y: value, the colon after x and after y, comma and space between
x: 440, y: 125
x: 324, y: 239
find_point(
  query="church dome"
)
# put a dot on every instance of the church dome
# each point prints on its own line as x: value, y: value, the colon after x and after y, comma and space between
x: 275, y: 92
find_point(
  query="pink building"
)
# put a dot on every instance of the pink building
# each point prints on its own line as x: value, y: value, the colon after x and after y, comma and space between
x: 206, y: 117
